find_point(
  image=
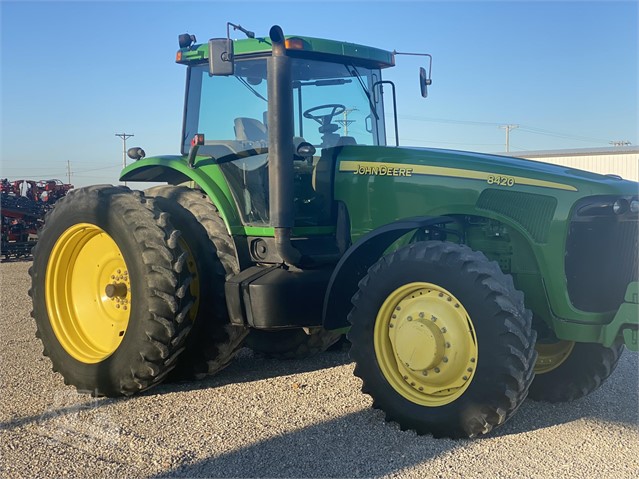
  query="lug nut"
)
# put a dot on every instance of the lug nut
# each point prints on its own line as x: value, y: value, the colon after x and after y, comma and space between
x: 472, y: 360
x: 410, y: 318
x: 436, y: 370
x: 445, y: 359
x: 444, y: 330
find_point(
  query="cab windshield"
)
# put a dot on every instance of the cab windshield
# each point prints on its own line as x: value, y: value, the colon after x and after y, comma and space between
x: 231, y: 110
x: 332, y: 107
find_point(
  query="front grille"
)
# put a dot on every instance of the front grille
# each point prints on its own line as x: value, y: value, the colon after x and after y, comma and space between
x: 601, y: 257
x: 532, y: 212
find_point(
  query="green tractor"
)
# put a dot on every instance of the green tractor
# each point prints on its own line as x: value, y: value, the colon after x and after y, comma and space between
x: 465, y: 282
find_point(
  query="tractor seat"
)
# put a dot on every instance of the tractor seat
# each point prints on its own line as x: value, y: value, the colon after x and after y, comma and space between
x: 250, y: 129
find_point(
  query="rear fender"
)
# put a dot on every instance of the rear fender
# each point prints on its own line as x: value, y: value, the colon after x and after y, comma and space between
x: 353, y: 266
x: 174, y: 170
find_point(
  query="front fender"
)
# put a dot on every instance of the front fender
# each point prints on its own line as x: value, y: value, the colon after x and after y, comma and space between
x: 354, y: 265
x: 174, y: 170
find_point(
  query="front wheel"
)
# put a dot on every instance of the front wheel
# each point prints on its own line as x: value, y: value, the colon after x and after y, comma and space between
x: 442, y: 340
x: 566, y: 370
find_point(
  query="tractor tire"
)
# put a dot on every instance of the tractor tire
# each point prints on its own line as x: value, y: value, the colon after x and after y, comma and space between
x: 566, y: 371
x: 291, y: 343
x: 110, y: 291
x: 441, y: 340
x: 214, y: 340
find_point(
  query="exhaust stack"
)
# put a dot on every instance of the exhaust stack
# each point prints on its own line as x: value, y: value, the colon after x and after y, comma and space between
x: 280, y: 147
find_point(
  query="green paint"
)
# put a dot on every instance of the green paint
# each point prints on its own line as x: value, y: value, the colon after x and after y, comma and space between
x: 535, y: 224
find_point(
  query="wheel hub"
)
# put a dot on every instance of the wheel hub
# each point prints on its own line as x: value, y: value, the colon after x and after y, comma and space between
x: 426, y: 344
x: 116, y: 289
x: 418, y: 343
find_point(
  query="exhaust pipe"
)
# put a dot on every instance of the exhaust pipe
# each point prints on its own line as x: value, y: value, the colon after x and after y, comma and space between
x: 280, y: 147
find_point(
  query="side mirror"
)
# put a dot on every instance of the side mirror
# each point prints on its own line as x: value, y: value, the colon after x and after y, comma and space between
x: 221, y: 57
x: 424, y: 82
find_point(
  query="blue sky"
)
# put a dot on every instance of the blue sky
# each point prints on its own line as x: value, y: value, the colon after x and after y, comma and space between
x: 75, y: 73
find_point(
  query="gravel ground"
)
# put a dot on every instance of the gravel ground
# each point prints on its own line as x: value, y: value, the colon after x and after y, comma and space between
x: 268, y: 418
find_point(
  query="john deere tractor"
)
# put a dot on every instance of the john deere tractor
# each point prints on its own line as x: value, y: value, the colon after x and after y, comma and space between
x: 465, y: 282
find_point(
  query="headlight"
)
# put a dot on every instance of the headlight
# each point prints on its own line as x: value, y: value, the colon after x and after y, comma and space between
x: 634, y: 206
x: 620, y: 206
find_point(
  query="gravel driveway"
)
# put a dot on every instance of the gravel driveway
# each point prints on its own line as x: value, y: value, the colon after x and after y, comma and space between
x: 269, y: 418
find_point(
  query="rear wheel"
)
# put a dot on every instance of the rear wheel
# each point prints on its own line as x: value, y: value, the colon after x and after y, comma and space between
x: 566, y: 370
x: 214, y: 341
x: 441, y: 340
x: 110, y: 291
x: 291, y: 343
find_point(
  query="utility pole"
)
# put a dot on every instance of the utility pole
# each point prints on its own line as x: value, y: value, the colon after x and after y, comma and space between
x: 508, y: 128
x: 68, y: 172
x: 345, y: 121
x: 124, y: 137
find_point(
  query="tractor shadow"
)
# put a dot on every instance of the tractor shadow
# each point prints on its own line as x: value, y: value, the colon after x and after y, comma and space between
x: 250, y: 367
x: 341, y: 447
x: 336, y: 448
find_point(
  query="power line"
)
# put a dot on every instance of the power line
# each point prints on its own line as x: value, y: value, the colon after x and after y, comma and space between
x: 526, y: 128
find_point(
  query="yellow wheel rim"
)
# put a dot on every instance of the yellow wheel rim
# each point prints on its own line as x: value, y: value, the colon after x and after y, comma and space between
x: 88, y: 293
x: 551, y: 356
x: 425, y: 344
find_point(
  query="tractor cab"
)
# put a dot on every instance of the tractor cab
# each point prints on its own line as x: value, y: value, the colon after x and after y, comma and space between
x: 330, y: 97
x: 332, y: 107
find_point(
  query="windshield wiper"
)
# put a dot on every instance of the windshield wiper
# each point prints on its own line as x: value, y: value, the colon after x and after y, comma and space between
x: 355, y: 72
x: 247, y: 85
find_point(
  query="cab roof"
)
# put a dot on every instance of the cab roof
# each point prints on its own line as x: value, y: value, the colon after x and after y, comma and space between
x: 319, y: 48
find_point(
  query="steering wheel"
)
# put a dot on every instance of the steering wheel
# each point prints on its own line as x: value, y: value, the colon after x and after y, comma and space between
x: 335, y: 109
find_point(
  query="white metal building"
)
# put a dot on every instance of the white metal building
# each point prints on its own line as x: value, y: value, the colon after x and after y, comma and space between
x: 622, y: 161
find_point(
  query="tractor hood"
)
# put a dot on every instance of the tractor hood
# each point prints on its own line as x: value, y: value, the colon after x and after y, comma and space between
x: 493, y: 170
